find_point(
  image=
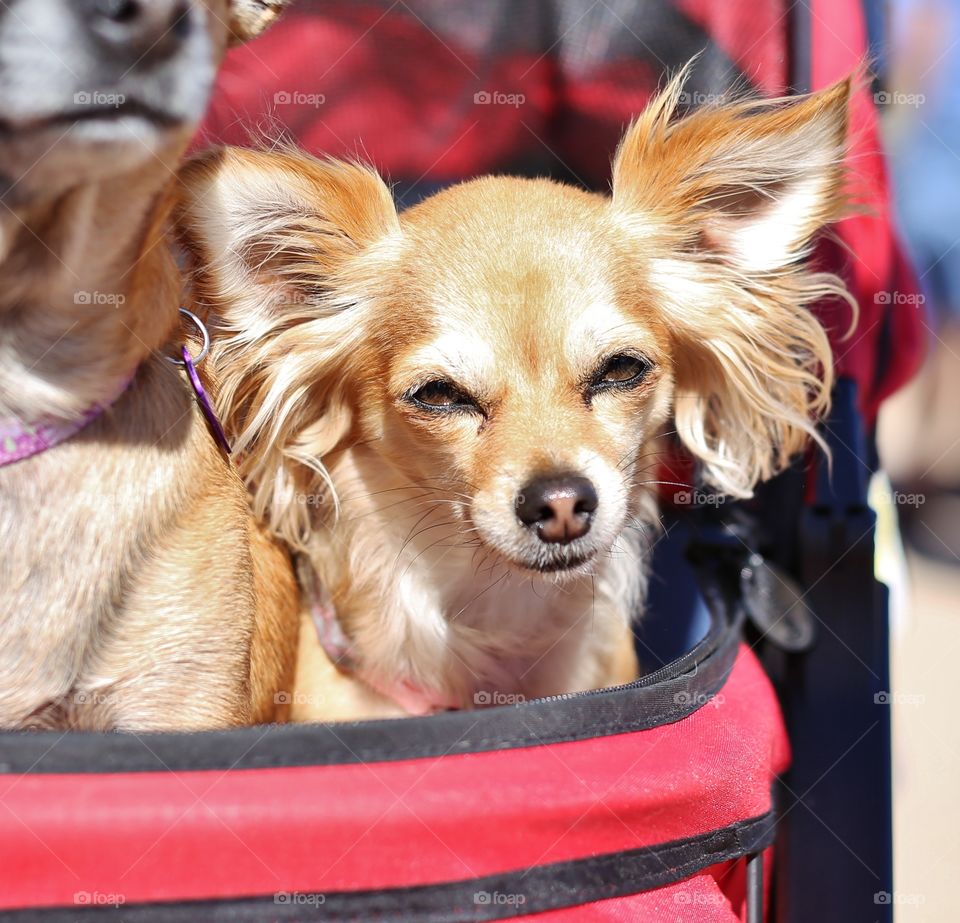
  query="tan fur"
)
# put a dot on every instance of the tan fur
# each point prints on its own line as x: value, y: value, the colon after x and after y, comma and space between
x: 324, y: 693
x: 138, y: 591
x: 332, y: 310
x: 248, y: 18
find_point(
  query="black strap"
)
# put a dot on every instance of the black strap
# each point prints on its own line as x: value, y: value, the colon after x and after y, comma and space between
x: 493, y: 897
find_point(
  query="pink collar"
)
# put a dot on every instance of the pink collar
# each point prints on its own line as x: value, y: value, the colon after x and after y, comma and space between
x: 23, y: 439
x: 340, y: 649
x: 331, y: 636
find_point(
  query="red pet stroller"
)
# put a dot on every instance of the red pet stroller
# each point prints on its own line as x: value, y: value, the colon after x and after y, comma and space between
x: 746, y: 776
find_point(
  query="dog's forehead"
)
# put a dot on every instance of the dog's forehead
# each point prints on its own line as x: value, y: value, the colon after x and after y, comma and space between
x: 516, y: 267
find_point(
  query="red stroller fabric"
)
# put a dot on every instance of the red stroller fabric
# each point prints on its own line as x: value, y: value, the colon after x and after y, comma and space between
x: 176, y: 836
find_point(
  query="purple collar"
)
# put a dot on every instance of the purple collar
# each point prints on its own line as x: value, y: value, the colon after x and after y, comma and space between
x: 21, y: 439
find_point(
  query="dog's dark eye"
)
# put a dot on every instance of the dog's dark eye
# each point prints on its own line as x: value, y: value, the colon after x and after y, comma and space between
x: 620, y: 371
x: 442, y: 395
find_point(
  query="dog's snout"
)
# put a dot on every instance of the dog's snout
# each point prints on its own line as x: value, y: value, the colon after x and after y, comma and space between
x: 139, y: 28
x: 558, y: 509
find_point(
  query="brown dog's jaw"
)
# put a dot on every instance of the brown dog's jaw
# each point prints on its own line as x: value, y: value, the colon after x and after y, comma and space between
x: 96, y: 110
x: 89, y: 91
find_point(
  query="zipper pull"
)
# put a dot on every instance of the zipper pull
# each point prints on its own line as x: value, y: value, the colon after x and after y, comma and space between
x: 774, y: 603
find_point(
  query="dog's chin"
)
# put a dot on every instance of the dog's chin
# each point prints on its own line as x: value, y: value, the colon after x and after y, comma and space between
x: 558, y: 562
x: 41, y: 159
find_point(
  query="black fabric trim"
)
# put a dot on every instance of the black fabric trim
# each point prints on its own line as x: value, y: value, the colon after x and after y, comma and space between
x: 548, y: 887
x: 667, y: 695
x: 800, y: 25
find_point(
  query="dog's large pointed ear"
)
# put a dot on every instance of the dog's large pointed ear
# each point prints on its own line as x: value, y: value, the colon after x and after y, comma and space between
x: 248, y: 18
x: 725, y: 203
x: 749, y: 182
x: 277, y: 246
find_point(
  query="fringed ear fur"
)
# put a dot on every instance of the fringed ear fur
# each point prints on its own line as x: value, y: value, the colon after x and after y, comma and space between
x: 727, y: 201
x: 275, y: 241
x: 248, y: 18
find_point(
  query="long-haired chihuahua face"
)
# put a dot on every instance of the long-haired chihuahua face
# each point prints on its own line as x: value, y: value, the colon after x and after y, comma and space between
x: 454, y: 411
x: 520, y: 373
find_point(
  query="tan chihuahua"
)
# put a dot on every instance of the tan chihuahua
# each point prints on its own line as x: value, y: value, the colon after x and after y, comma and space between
x: 136, y: 590
x: 453, y: 412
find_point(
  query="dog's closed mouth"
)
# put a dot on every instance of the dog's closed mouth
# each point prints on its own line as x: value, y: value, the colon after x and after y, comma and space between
x: 106, y: 112
x: 560, y: 564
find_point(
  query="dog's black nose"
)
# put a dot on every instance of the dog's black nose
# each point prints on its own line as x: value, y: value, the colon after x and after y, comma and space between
x: 559, y: 509
x: 139, y: 29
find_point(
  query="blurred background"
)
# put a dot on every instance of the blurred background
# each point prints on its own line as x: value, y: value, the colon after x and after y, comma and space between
x: 434, y: 91
x: 920, y: 447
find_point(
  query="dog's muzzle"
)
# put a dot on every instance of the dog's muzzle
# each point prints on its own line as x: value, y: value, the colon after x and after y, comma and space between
x: 100, y: 62
x: 136, y: 32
